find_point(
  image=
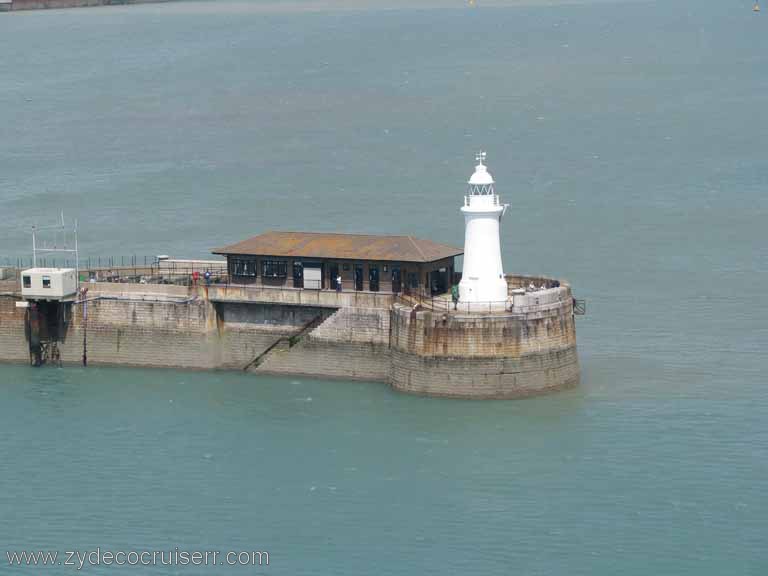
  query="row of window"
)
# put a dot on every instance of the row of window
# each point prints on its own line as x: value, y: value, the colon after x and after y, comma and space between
x: 279, y: 269
x: 269, y: 268
x: 27, y: 280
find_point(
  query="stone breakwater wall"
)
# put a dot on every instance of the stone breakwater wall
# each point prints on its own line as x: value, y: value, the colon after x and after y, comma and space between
x: 13, y: 340
x: 180, y: 327
x: 351, y: 344
x: 530, y: 350
x: 187, y: 334
x: 527, y: 351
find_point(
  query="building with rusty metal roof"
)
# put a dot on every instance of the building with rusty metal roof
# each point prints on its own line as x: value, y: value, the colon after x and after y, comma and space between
x: 363, y: 262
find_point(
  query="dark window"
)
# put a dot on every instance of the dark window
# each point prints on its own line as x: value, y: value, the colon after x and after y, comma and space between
x: 46, y: 281
x: 346, y: 267
x: 274, y: 268
x: 27, y: 282
x: 413, y: 280
x: 243, y: 267
x: 373, y: 278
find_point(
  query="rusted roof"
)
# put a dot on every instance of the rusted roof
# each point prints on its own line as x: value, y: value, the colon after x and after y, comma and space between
x: 342, y: 246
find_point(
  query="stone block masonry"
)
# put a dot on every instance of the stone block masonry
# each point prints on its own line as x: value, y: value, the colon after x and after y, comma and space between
x: 528, y: 375
x: 351, y: 344
x: 163, y: 334
x: 13, y: 339
x: 528, y: 349
x: 195, y: 334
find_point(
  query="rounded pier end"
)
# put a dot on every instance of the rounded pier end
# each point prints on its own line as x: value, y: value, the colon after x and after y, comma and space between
x: 524, y: 348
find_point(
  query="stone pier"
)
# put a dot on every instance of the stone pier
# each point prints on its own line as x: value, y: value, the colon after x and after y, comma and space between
x: 526, y: 347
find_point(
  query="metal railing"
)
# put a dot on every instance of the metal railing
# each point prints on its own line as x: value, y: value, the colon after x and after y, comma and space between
x: 440, y: 303
x: 579, y: 307
x: 85, y: 262
x: 125, y: 269
x: 148, y: 270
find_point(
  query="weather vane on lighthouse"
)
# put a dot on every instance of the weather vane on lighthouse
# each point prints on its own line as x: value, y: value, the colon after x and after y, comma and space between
x: 482, y: 278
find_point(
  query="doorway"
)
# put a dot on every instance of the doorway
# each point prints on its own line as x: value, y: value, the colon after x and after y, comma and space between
x: 373, y: 278
x: 396, y: 280
x: 298, y: 275
x: 358, y: 277
x: 334, y: 274
x: 437, y: 281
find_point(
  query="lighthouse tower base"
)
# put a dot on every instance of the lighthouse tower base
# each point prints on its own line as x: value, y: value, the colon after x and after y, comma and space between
x: 525, y: 350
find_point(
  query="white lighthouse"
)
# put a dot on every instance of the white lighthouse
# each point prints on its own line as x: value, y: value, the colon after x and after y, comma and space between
x: 482, y: 278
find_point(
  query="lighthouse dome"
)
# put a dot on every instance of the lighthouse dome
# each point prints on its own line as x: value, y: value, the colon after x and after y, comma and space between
x: 481, y: 176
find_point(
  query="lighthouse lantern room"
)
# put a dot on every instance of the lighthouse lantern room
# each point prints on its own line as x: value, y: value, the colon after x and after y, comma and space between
x: 482, y: 278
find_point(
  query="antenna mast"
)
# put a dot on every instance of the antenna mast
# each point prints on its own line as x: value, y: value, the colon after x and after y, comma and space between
x: 64, y: 247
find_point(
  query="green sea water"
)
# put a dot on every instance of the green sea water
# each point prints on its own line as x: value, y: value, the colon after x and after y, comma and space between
x: 628, y: 137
